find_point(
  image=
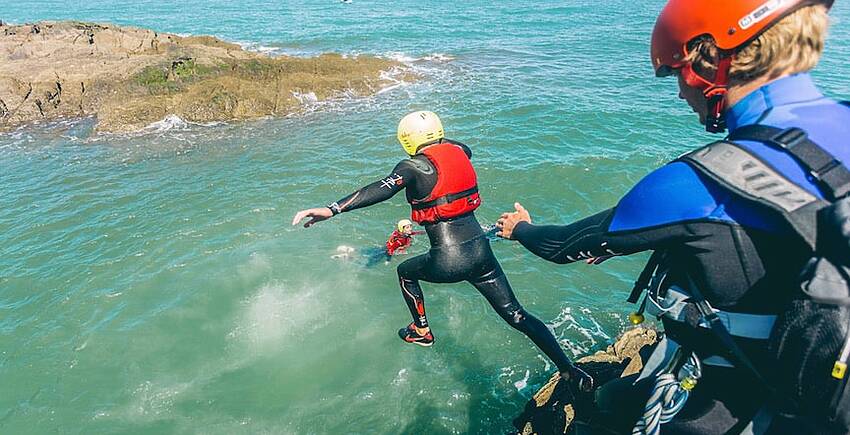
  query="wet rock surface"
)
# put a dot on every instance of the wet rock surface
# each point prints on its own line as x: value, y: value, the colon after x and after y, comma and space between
x: 130, y: 77
x: 554, y: 407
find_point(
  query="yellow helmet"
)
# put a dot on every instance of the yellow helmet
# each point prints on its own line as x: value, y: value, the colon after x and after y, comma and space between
x: 403, y: 223
x: 419, y: 128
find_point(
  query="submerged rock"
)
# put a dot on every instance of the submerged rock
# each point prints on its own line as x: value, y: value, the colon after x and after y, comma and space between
x: 553, y: 408
x: 130, y: 77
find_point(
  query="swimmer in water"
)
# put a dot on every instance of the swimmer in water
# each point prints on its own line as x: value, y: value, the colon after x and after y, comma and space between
x: 401, y: 238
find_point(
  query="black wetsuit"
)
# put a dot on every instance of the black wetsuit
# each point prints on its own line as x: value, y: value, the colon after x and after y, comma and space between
x: 460, y: 251
x: 741, y: 257
x: 736, y: 275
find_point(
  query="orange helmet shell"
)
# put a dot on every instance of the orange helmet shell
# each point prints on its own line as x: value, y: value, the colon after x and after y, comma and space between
x: 732, y: 23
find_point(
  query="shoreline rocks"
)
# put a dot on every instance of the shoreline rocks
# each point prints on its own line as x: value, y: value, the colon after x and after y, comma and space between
x: 131, y: 77
x: 553, y: 408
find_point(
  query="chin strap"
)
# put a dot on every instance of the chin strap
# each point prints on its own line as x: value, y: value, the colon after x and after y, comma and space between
x: 715, y: 97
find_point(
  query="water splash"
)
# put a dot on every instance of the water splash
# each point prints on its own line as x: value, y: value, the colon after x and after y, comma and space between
x: 584, y: 324
x: 170, y: 122
x: 277, y: 314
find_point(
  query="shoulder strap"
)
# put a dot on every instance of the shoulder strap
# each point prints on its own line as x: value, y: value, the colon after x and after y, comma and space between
x: 645, y: 276
x: 830, y: 174
x: 744, y: 173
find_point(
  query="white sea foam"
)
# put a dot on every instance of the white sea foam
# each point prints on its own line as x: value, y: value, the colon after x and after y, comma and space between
x: 401, y: 57
x: 343, y: 252
x: 390, y: 88
x: 271, y: 50
x: 152, y: 399
x: 506, y: 372
x: 439, y: 57
x: 584, y: 324
x: 305, y: 98
x: 400, y: 378
x: 276, y: 313
x: 257, y: 47
x: 265, y: 49
x: 428, y: 69
x: 170, y: 122
x: 408, y: 59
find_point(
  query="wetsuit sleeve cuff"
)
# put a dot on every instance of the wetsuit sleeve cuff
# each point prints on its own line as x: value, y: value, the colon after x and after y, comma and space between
x: 521, y: 230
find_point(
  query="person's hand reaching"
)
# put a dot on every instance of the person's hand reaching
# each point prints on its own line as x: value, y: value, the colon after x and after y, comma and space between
x: 508, y: 221
x: 316, y: 215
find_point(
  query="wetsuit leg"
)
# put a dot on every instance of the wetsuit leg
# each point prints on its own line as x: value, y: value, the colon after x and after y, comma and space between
x: 495, y: 287
x: 409, y: 274
x: 461, y: 252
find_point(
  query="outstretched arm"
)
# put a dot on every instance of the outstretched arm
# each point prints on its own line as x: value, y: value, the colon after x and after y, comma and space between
x: 654, y: 214
x: 370, y: 194
x: 587, y: 239
x: 584, y: 239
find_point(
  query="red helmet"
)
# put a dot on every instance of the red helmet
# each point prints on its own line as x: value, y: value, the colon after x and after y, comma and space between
x: 732, y: 24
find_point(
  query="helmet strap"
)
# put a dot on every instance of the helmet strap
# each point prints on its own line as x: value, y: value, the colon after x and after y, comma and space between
x: 715, y: 97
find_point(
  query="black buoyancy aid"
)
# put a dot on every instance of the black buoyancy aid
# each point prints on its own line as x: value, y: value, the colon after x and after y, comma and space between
x: 456, y: 190
x: 811, y: 337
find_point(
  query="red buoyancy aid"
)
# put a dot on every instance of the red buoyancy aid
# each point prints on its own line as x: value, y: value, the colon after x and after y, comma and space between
x: 398, y: 240
x: 456, y: 191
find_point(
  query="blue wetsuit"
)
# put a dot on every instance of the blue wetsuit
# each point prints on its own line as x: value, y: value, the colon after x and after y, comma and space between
x: 743, y: 258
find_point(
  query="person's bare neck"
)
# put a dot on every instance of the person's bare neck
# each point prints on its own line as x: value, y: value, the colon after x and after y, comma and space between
x: 737, y: 92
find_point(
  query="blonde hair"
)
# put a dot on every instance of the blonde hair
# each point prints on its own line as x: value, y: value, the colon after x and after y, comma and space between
x: 792, y: 45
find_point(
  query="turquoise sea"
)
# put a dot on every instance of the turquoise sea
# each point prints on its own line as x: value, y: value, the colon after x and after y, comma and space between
x: 151, y: 283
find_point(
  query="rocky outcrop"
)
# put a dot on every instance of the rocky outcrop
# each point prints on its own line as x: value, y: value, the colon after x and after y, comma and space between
x: 129, y: 77
x: 554, y: 407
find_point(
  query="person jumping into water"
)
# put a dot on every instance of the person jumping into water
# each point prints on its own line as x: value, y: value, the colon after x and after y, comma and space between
x: 441, y: 188
x: 401, y: 238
